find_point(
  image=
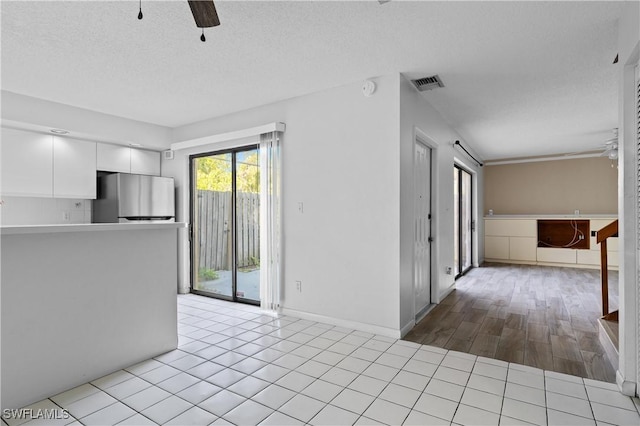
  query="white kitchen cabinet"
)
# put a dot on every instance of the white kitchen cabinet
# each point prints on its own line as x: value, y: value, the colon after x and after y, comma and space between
x: 123, y: 159
x: 145, y: 162
x: 27, y: 163
x: 496, y: 248
x: 113, y: 158
x: 523, y: 248
x: 74, y: 168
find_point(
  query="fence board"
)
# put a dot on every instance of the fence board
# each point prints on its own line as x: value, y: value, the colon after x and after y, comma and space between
x: 214, y: 213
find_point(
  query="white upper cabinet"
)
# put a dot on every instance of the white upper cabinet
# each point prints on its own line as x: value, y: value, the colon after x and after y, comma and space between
x: 114, y: 158
x: 27, y: 163
x: 74, y: 168
x: 145, y: 162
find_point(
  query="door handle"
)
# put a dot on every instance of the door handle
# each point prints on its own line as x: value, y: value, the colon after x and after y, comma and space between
x: 430, y: 239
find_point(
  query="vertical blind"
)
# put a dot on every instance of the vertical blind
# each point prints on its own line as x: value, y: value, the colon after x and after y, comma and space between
x: 270, y: 221
x: 637, y: 87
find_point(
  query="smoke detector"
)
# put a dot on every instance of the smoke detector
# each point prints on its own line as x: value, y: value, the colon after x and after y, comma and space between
x: 428, y: 83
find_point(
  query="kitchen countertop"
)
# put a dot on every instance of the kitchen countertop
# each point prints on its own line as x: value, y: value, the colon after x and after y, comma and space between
x: 87, y: 227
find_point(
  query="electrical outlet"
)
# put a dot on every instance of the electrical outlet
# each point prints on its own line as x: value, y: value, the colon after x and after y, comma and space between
x: 448, y: 270
x: 301, y: 207
x: 299, y: 286
x: 66, y: 216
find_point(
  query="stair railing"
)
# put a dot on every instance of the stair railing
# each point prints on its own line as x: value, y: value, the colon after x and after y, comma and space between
x: 610, y: 230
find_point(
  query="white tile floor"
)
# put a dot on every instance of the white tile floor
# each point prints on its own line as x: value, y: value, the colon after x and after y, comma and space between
x: 237, y: 366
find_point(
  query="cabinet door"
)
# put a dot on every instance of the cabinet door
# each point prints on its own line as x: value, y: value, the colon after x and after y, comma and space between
x: 556, y: 255
x: 27, y: 163
x: 496, y: 248
x: 114, y: 158
x: 74, y: 168
x: 145, y: 162
x: 523, y: 248
x: 511, y: 227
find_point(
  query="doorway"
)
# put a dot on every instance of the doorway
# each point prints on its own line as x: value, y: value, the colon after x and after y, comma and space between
x: 225, y: 218
x: 422, y: 234
x: 463, y: 221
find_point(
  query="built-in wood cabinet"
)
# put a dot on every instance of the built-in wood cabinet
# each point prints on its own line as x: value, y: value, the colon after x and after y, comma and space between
x: 510, y: 239
x: 27, y: 163
x: 74, y: 168
x: 123, y: 159
x: 515, y: 240
x: 522, y: 248
x: 496, y: 247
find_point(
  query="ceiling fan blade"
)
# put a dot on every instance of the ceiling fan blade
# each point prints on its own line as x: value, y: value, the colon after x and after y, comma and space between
x: 204, y: 13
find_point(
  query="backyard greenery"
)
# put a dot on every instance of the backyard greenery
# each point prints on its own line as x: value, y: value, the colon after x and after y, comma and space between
x: 206, y: 274
x: 214, y: 173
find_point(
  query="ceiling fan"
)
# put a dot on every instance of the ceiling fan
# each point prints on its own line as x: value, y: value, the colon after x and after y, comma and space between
x: 204, y: 13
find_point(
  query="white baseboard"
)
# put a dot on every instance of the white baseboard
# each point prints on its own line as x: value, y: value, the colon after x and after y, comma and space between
x: 407, y: 328
x: 360, y: 326
x: 446, y: 292
x: 626, y: 387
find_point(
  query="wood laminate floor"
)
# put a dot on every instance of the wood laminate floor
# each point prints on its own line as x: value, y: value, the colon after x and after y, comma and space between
x: 544, y: 317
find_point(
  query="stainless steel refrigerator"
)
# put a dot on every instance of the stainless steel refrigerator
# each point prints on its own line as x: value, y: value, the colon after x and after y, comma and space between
x: 124, y: 197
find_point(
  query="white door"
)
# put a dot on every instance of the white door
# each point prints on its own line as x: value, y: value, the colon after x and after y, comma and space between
x: 422, y: 235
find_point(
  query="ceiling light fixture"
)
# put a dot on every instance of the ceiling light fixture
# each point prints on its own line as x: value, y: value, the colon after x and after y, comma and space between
x: 203, y: 11
x: 135, y: 144
x: 59, y: 131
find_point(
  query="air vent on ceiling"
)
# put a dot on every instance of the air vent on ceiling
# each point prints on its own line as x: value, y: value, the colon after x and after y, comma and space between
x: 428, y: 83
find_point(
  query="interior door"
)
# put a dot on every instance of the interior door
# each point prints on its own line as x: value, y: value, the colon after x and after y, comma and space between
x: 422, y: 237
x: 225, y: 219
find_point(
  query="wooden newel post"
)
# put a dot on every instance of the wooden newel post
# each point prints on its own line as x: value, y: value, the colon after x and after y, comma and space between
x: 601, y: 238
x: 604, y: 274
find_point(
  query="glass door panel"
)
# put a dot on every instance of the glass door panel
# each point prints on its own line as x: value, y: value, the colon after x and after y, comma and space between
x: 456, y: 221
x: 212, y: 220
x: 247, y: 197
x: 463, y: 220
x: 225, y: 218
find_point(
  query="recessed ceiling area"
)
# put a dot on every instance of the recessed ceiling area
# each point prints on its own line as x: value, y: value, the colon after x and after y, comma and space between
x: 521, y: 78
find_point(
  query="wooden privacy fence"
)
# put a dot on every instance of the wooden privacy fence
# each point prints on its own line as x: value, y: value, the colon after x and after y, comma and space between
x: 215, y: 226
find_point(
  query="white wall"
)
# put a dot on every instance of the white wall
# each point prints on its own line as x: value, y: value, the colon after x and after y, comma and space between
x: 340, y: 158
x: 417, y: 113
x: 22, y: 111
x: 628, y: 375
x: 43, y: 211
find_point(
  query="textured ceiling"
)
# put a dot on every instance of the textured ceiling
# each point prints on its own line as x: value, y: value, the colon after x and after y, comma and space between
x: 522, y: 78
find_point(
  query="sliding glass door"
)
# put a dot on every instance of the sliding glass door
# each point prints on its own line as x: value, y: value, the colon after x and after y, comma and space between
x: 463, y: 220
x: 225, y: 220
